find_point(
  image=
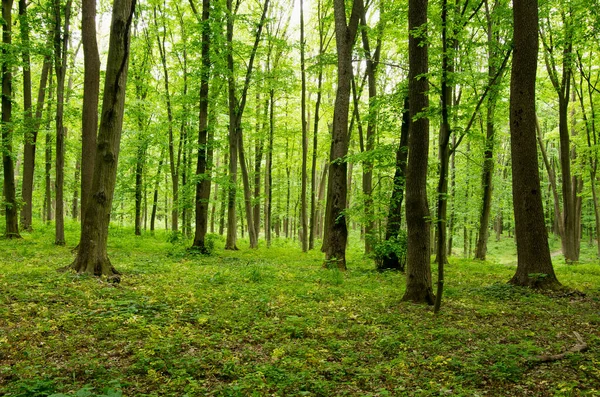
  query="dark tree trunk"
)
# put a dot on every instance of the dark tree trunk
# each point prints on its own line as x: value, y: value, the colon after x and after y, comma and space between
x: 155, y: 194
x: 236, y: 111
x: 91, y: 92
x: 10, y: 199
x: 304, y: 173
x: 61, y: 43
x: 418, y: 277
x: 534, y: 267
x: 30, y: 123
x: 336, y: 232
x: 92, y: 256
x: 394, y: 220
x: 247, y: 192
x: 173, y: 157
x: 269, y: 170
x: 75, y: 206
x: 488, y: 154
x: 204, y: 146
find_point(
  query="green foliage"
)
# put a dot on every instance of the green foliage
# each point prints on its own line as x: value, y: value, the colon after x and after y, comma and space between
x: 391, y: 253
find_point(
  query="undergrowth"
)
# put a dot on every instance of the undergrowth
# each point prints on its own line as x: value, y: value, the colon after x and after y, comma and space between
x: 274, y: 322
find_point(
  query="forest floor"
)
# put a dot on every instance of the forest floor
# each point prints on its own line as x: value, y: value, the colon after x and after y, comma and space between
x: 274, y: 322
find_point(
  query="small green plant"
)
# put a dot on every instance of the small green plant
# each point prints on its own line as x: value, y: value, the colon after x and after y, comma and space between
x: 390, y: 254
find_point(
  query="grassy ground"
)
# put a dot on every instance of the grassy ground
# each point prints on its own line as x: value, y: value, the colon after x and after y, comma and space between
x: 273, y: 322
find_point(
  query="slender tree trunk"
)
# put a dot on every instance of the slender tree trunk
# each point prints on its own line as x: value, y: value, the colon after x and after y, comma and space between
x: 418, y: 280
x: 304, y: 173
x: 269, y: 170
x: 236, y: 111
x: 394, y: 221
x: 533, y: 252
x: 488, y: 155
x: 61, y: 43
x: 30, y: 123
x: 155, y: 194
x: 247, y: 192
x: 10, y: 199
x: 75, y: 206
x: 48, y: 161
x: 91, y: 92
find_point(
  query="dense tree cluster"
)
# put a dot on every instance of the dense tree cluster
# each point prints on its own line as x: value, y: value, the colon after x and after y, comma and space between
x: 330, y: 112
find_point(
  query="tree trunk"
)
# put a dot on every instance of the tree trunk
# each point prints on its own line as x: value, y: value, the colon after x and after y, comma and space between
x: 488, y: 154
x: 92, y: 256
x: 247, y: 193
x: 304, y: 172
x: 91, y: 92
x: 204, y: 158
x: 10, y: 199
x: 75, y: 206
x: 155, y: 194
x: 269, y: 170
x: 418, y: 279
x: 336, y: 232
x: 61, y: 43
x: 394, y: 221
x: 236, y: 111
x: 534, y: 266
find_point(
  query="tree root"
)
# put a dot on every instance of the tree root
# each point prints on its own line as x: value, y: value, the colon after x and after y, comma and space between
x: 581, y: 346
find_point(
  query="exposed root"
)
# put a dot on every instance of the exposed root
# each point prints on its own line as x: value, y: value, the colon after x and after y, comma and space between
x: 581, y: 346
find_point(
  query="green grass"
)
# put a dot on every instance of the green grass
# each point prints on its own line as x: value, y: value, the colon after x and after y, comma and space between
x: 274, y: 322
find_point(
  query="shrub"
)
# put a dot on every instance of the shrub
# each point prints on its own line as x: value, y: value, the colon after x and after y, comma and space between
x: 390, y: 254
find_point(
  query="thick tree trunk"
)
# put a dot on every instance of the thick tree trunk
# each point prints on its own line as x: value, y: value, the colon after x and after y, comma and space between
x: 10, y: 199
x: 418, y: 278
x: 534, y: 266
x: 336, y: 232
x: 91, y: 92
x: 92, y: 256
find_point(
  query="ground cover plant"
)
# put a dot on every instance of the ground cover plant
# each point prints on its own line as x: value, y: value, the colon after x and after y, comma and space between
x: 274, y: 322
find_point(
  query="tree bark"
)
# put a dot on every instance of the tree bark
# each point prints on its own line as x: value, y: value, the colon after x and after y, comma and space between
x: 336, y: 232
x: 204, y: 148
x: 92, y: 255
x: 61, y: 43
x: 91, y: 92
x: 304, y: 173
x: 10, y: 199
x: 534, y: 264
x: 418, y: 278
x: 488, y: 154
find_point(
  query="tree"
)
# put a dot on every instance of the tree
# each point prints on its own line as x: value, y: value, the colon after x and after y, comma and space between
x: 304, y: 178
x: 336, y: 232
x: 91, y: 92
x: 418, y: 261
x: 534, y: 264
x: 236, y: 148
x: 561, y: 81
x: 11, y: 208
x: 61, y: 44
x: 92, y: 256
x: 204, y: 147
